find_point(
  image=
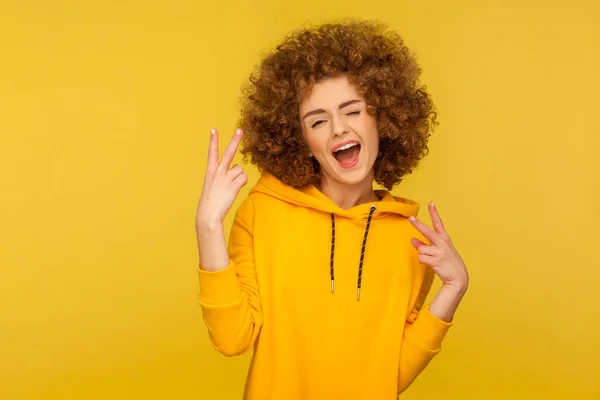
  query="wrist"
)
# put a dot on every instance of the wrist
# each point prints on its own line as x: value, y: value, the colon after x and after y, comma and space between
x: 458, y: 288
x: 208, y: 225
x: 454, y: 289
x: 446, y: 302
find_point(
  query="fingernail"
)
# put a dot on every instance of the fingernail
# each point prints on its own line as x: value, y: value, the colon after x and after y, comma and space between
x: 412, y: 218
x: 432, y: 205
x: 238, y: 132
x: 213, y: 131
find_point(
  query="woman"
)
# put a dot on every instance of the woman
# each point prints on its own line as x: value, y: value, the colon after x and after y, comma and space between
x: 324, y: 276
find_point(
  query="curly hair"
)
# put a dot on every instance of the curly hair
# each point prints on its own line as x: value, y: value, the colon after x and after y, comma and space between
x: 385, y: 73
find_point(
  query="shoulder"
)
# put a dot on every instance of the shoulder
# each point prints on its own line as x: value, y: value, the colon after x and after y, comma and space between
x: 246, y: 210
x: 257, y: 205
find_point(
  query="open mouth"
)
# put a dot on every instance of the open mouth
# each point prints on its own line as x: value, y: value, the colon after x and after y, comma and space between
x: 347, y: 155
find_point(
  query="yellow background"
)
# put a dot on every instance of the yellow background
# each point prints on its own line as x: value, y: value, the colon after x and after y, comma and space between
x: 105, y: 112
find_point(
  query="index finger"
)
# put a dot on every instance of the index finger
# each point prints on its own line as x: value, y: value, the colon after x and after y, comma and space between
x: 213, y: 150
x: 425, y: 230
x: 230, y: 150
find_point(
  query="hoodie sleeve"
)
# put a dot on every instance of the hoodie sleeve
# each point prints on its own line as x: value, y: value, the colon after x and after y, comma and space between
x: 422, y: 337
x: 230, y: 298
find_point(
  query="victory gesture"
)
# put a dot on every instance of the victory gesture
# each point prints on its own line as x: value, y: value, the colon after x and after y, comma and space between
x: 221, y: 183
x: 440, y: 255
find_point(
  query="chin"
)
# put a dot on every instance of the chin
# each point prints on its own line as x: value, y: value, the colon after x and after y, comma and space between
x: 351, y: 177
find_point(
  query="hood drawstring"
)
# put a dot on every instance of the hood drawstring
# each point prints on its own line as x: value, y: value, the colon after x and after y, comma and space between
x: 332, y: 249
x: 362, y: 251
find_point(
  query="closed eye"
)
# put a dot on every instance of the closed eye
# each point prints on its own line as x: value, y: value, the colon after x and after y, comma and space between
x: 319, y: 122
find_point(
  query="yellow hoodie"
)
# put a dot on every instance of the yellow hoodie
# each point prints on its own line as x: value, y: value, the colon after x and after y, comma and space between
x: 330, y: 299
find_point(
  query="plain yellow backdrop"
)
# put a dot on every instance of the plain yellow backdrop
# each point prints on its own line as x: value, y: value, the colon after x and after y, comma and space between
x: 105, y: 114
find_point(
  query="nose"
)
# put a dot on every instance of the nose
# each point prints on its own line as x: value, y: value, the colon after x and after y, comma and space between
x: 339, y: 125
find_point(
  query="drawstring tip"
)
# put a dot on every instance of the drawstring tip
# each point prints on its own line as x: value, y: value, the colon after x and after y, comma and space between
x: 358, y: 294
x: 332, y: 286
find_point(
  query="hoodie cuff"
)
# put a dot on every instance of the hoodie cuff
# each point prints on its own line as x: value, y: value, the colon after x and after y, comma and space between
x: 220, y: 287
x: 429, y: 330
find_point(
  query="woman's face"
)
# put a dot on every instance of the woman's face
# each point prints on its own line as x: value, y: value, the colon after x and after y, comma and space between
x: 340, y: 133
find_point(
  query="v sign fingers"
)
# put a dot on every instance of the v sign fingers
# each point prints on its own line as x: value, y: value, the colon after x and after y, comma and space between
x: 432, y: 236
x: 440, y: 254
x: 229, y: 152
x: 221, y: 185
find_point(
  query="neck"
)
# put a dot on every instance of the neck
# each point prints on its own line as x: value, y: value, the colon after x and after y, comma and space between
x: 348, y: 196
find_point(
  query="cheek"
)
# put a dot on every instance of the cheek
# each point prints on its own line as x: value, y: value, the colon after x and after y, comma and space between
x: 373, y: 138
x: 375, y: 146
x: 316, y: 144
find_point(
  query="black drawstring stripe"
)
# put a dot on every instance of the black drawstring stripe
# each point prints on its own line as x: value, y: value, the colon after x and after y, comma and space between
x: 332, y: 250
x: 362, y: 253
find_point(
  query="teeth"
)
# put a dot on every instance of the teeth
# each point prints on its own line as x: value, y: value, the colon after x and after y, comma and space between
x: 347, y: 146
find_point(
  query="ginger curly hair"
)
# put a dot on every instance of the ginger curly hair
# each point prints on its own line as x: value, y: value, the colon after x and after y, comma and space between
x: 375, y: 60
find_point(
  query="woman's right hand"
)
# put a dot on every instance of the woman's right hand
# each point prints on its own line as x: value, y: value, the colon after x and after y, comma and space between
x: 221, y: 183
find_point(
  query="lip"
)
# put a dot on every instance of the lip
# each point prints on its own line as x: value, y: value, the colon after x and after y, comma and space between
x: 337, y: 146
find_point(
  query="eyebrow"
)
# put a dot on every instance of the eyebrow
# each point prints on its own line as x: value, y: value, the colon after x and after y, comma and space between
x: 320, y: 110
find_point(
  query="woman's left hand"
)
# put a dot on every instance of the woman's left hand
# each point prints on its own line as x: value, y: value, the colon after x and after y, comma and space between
x: 440, y: 255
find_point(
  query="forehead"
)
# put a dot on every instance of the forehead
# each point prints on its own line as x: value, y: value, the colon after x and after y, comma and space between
x: 330, y: 92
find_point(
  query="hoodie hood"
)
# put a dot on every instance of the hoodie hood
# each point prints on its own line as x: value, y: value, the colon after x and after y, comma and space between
x: 313, y: 198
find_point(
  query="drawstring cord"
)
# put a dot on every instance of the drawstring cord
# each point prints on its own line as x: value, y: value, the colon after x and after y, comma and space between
x: 332, y: 249
x: 362, y: 251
